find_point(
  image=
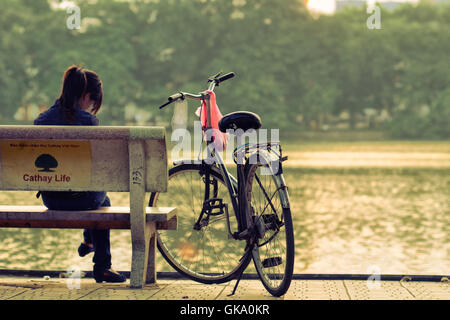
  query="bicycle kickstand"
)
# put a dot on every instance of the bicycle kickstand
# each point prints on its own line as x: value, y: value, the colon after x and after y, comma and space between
x: 236, y: 285
x: 247, y: 253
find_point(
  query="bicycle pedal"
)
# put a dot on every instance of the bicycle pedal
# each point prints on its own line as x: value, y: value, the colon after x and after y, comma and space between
x: 272, y: 262
x: 214, y: 204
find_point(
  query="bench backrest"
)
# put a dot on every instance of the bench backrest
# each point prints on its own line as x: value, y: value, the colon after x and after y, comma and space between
x: 83, y: 158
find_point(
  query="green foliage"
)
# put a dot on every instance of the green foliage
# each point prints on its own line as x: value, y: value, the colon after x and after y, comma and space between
x: 292, y: 68
x: 424, y: 122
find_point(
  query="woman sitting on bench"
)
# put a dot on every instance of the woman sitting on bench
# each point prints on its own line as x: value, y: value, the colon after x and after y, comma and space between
x: 80, y: 99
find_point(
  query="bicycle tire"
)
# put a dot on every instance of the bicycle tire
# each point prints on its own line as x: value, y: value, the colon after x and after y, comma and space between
x: 273, y: 253
x: 218, y: 261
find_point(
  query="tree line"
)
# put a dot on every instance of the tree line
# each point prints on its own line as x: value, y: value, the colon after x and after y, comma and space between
x: 297, y: 70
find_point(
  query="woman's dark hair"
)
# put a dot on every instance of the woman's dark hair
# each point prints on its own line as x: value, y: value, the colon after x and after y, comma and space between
x: 76, y: 83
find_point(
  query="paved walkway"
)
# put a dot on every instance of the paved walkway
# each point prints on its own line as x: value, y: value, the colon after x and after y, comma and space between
x: 26, y: 288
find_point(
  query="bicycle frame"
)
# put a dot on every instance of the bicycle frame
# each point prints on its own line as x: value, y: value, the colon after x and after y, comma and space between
x: 236, y: 187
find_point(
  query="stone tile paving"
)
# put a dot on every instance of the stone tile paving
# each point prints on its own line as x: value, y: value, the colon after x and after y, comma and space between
x: 24, y: 288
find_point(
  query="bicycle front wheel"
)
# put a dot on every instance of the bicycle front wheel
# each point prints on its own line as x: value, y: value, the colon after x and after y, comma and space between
x: 269, y: 210
x: 200, y: 248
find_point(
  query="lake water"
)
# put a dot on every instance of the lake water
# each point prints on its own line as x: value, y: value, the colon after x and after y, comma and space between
x: 389, y: 214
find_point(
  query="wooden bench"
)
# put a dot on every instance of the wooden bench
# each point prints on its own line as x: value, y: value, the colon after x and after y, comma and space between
x: 75, y: 158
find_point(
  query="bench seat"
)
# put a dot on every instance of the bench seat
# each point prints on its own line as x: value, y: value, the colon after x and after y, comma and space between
x: 102, y: 218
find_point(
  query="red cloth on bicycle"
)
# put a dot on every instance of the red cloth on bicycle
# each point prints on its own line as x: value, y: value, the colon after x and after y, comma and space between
x: 219, y: 138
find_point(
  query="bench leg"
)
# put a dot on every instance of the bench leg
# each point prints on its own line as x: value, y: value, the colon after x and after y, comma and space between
x: 143, y: 258
x: 138, y: 265
x: 140, y: 230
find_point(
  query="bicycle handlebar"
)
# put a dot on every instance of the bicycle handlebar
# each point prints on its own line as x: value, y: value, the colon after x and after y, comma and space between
x: 215, y: 80
x: 225, y: 77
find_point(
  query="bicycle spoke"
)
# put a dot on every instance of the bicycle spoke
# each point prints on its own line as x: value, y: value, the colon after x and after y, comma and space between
x: 273, y: 260
x: 204, y: 254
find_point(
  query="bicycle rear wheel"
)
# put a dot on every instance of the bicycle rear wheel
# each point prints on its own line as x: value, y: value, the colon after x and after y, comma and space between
x: 199, y: 251
x: 269, y: 209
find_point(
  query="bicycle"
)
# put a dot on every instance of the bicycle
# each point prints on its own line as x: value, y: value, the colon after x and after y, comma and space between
x: 211, y: 245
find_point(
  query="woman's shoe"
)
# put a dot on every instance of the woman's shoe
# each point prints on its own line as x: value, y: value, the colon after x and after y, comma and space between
x: 84, y: 249
x: 108, y: 276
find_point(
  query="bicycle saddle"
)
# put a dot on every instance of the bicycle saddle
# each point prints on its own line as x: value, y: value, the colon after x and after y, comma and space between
x: 244, y: 120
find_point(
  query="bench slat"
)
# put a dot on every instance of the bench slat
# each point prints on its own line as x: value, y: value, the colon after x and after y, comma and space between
x: 102, y: 218
x: 27, y: 132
